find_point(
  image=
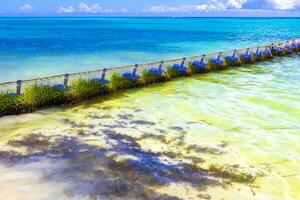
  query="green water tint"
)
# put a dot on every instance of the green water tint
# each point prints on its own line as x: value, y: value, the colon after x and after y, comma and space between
x: 232, y: 134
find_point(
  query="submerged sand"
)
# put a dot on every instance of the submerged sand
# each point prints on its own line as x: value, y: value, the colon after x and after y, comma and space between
x: 226, y: 135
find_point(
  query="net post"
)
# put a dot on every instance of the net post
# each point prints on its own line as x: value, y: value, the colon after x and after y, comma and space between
x: 247, y: 51
x: 19, y: 87
x: 103, y: 74
x: 66, y: 79
x: 202, y: 58
x: 234, y: 53
x: 161, y: 65
x: 219, y: 56
x: 183, y: 61
x: 135, y: 69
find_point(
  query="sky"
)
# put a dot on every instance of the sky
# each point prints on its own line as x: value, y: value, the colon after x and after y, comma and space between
x: 228, y: 8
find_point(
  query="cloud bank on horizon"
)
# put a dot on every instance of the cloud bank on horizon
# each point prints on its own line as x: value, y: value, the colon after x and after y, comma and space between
x: 151, y: 7
x: 219, y: 5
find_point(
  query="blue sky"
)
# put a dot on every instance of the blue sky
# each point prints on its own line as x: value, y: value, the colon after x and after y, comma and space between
x: 253, y: 8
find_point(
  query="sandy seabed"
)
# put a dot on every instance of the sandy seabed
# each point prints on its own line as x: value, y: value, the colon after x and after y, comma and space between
x: 226, y: 135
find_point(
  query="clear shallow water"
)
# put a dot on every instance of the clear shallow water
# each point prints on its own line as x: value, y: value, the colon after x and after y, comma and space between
x: 34, y: 47
x: 161, y: 141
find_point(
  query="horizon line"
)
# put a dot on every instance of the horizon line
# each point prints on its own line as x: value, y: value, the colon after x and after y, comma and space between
x: 137, y: 16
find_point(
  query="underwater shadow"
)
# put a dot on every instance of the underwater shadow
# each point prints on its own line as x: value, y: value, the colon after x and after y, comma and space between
x: 122, y: 170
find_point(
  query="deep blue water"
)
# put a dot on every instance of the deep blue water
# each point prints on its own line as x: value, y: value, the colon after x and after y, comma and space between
x: 34, y: 47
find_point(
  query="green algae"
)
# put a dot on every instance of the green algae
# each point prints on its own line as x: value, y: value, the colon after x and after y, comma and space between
x: 248, y: 61
x: 196, y: 70
x: 43, y: 96
x: 203, y: 149
x: 85, y: 89
x: 232, y: 173
x: 35, y: 97
x: 118, y: 82
x: 232, y: 63
x: 10, y: 104
x: 174, y: 73
x: 215, y: 66
x: 154, y: 78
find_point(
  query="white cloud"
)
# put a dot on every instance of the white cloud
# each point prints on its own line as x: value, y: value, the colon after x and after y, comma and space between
x: 85, y: 8
x: 69, y: 9
x: 220, y: 5
x: 96, y: 8
x: 123, y: 10
x: 92, y: 9
x: 26, y: 8
x: 168, y: 9
x: 284, y: 4
x: 158, y: 9
x: 211, y: 5
x: 236, y: 4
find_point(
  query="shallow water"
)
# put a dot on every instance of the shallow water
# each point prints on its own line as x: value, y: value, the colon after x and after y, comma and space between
x: 35, y: 47
x: 226, y: 135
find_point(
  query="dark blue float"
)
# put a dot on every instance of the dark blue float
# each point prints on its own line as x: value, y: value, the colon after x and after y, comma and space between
x: 199, y: 64
x: 246, y: 56
x: 180, y: 68
x: 268, y: 52
x: 156, y: 71
x: 216, y: 61
x: 259, y: 55
x: 59, y: 87
x: 278, y: 51
x: 231, y: 58
x: 131, y: 76
x: 101, y: 81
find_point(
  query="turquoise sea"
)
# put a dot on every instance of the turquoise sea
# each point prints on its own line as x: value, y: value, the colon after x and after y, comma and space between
x: 231, y: 134
x: 34, y: 47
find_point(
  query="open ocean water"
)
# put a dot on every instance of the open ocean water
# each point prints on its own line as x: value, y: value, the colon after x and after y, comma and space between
x: 230, y: 135
x: 34, y: 47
